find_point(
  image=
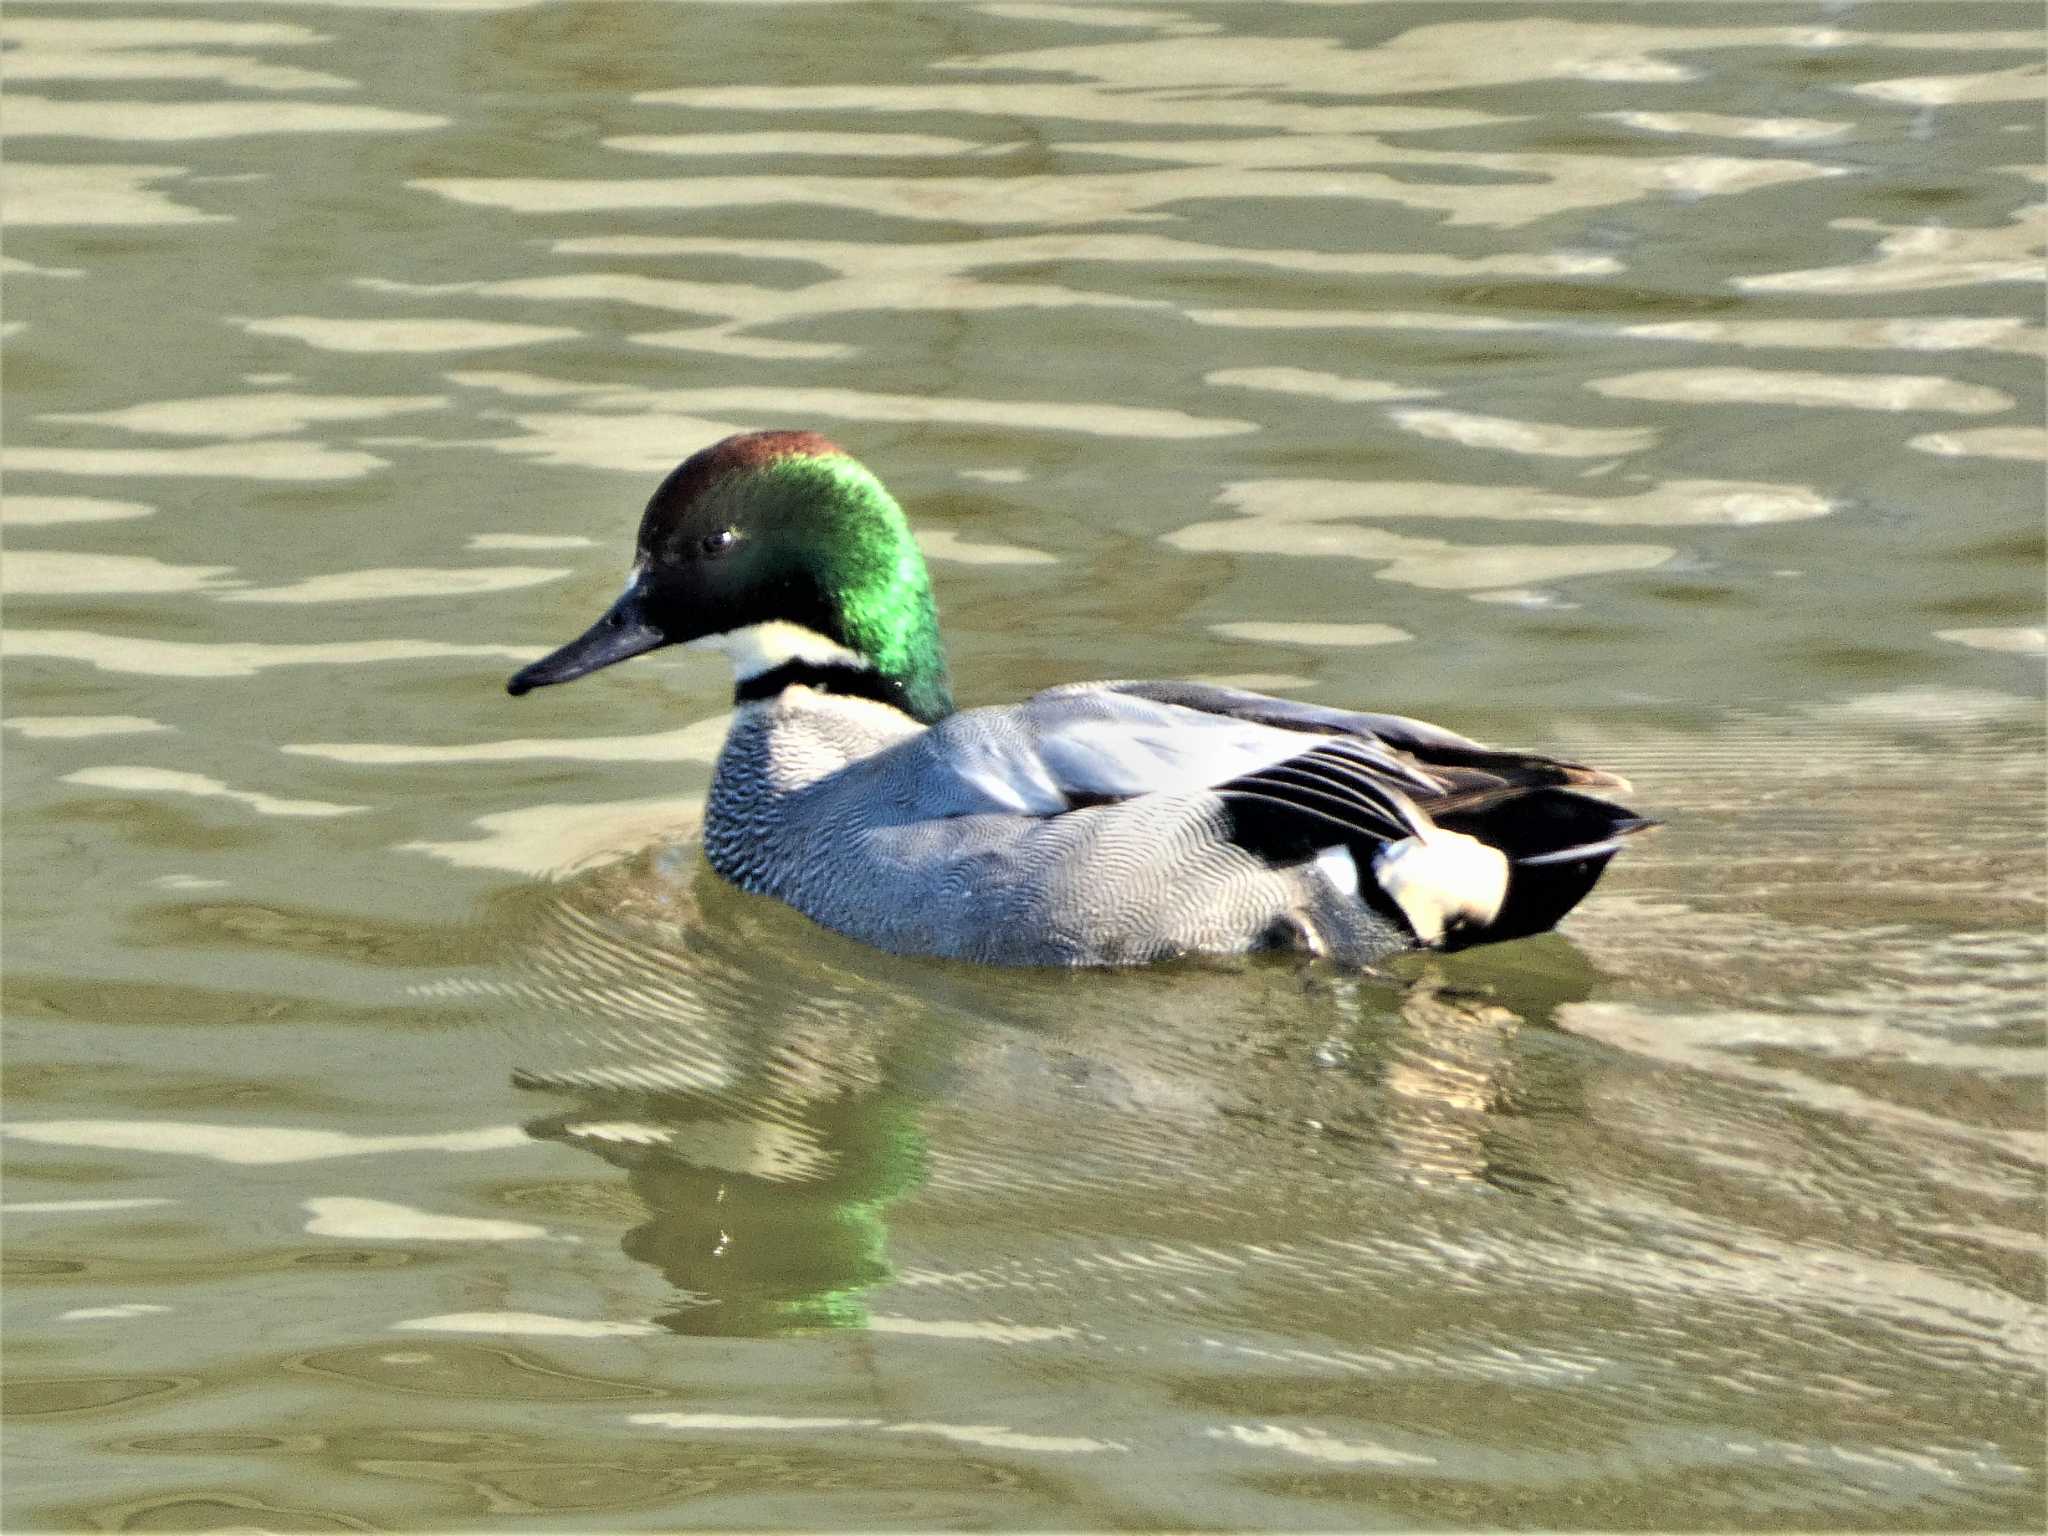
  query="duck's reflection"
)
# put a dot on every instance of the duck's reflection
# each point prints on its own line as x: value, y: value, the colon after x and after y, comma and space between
x: 765, y: 1087
x: 767, y: 1217
x: 762, y: 1099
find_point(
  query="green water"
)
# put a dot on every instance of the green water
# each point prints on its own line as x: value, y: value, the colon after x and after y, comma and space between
x: 404, y: 1130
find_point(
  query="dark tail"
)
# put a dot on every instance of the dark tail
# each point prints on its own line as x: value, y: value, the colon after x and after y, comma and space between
x: 1557, y: 841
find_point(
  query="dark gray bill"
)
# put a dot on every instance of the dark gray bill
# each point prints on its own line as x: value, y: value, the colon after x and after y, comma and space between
x: 622, y: 632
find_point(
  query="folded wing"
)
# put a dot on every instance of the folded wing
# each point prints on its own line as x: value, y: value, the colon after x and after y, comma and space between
x: 1462, y: 842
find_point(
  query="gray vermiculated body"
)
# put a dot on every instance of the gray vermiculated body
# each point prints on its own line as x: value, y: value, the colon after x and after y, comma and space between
x: 829, y: 805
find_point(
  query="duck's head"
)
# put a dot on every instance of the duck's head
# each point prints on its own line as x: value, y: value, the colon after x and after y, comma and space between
x: 781, y: 550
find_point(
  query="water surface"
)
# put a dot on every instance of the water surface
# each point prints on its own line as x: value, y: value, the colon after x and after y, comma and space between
x: 404, y: 1130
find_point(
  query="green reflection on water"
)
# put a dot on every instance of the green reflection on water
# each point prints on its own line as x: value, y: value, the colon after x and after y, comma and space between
x: 759, y: 1253
x: 765, y: 1195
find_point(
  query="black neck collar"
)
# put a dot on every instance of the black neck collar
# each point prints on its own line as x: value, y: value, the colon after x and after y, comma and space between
x: 838, y: 677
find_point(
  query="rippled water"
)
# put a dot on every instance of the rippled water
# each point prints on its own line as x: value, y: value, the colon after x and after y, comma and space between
x: 405, y: 1130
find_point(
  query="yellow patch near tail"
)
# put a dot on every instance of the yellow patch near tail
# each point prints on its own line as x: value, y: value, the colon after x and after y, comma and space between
x: 1438, y: 875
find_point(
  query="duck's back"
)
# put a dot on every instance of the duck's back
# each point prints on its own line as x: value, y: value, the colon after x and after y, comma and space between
x: 1022, y: 836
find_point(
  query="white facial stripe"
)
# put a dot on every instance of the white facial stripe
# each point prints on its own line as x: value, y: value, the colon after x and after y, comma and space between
x: 762, y: 648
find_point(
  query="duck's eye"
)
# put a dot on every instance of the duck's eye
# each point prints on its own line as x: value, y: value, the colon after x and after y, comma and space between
x: 718, y: 543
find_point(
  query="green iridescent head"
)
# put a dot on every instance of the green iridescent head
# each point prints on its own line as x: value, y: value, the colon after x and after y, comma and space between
x: 784, y: 551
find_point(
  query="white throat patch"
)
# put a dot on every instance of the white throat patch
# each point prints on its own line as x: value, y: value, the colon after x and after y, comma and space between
x: 759, y: 648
